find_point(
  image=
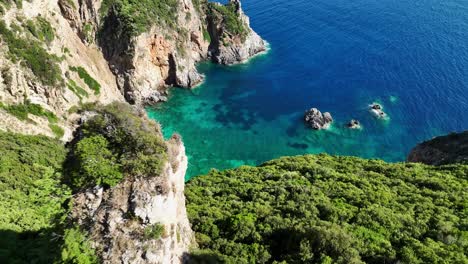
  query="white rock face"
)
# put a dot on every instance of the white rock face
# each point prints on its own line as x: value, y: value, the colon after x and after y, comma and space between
x: 117, y: 217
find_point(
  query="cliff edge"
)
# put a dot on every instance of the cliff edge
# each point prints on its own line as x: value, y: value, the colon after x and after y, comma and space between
x: 443, y: 150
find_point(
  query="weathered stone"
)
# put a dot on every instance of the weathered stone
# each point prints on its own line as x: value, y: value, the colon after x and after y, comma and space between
x: 315, y: 119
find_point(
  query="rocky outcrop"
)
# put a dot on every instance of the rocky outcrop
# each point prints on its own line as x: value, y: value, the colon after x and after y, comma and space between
x: 117, y: 219
x: 228, y: 48
x: 442, y: 150
x: 315, y: 119
x: 377, y: 110
x: 354, y: 124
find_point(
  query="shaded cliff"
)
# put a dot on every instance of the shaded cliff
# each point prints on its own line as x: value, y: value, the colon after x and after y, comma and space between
x: 442, y: 150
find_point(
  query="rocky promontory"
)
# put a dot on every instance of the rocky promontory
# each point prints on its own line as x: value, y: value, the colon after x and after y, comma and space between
x: 316, y: 120
x: 452, y: 148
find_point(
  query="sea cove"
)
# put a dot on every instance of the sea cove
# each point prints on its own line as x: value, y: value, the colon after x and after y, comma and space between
x: 338, y: 56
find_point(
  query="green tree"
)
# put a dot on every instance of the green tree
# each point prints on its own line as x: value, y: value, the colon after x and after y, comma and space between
x: 97, y: 163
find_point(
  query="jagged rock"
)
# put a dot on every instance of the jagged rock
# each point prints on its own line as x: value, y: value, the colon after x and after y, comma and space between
x: 317, y: 120
x: 377, y: 110
x: 354, y: 124
x: 231, y: 49
x: 115, y: 219
x: 442, y: 150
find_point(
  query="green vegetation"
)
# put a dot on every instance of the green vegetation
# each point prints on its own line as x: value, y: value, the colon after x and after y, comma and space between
x: 206, y: 35
x: 38, y: 175
x: 115, y: 143
x: 97, y: 163
x: 134, y: 17
x: 90, y: 81
x: 232, y: 22
x: 154, y: 231
x: 57, y: 130
x: 31, y: 197
x: 32, y: 55
x: 76, y: 248
x: 324, y: 209
x: 41, y: 29
x: 77, y: 90
x: 22, y: 111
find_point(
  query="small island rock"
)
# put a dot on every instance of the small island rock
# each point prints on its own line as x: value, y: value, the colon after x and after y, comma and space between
x: 317, y: 120
x: 354, y: 124
x: 377, y: 110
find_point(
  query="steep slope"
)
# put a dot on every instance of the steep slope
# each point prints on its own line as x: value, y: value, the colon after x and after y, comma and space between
x: 324, y: 209
x: 58, y: 55
x: 115, y: 194
x: 448, y: 149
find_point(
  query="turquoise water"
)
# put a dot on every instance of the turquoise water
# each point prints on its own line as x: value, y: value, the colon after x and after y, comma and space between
x: 338, y: 56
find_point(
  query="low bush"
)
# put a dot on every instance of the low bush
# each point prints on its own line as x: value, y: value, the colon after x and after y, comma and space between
x: 90, y: 81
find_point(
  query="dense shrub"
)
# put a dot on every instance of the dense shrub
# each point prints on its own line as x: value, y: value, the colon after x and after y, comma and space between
x: 323, y: 209
x: 22, y: 111
x: 77, y: 90
x: 90, y: 81
x: 31, y: 54
x: 31, y: 197
x: 134, y: 17
x: 76, y: 248
x: 97, y: 164
x: 117, y: 134
x: 232, y: 22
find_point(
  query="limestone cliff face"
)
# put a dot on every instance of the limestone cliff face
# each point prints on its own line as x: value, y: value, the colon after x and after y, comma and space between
x: 442, y: 150
x: 18, y: 83
x: 116, y: 219
x: 227, y: 48
x: 138, y: 69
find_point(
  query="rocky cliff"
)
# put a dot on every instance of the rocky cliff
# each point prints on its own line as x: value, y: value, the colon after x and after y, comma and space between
x: 120, y: 220
x: 58, y: 56
x: 62, y: 54
x: 442, y: 150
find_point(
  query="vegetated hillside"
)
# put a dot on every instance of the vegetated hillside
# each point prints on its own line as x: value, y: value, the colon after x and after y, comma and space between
x: 324, y: 209
x: 38, y: 176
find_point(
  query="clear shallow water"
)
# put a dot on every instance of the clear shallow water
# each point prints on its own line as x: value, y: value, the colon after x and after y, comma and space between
x: 338, y: 56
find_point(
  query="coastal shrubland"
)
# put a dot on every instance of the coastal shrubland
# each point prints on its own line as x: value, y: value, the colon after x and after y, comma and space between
x: 22, y: 111
x: 232, y: 22
x: 114, y: 143
x: 135, y: 17
x: 31, y: 54
x: 38, y: 176
x: 324, y: 209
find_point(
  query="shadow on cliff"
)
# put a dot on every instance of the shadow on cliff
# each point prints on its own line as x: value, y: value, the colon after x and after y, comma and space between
x: 29, y: 247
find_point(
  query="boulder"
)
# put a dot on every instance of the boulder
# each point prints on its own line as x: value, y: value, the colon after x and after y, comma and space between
x: 354, y: 124
x: 377, y: 110
x: 315, y: 119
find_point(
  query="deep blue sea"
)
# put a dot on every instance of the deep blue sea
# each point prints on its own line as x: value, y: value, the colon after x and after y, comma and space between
x: 339, y: 56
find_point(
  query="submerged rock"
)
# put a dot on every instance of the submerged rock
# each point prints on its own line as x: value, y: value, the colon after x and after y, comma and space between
x: 354, y: 124
x: 317, y: 120
x: 377, y: 110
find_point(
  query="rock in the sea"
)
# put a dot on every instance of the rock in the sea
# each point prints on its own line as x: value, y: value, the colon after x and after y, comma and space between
x: 354, y: 124
x: 317, y: 120
x: 377, y: 110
